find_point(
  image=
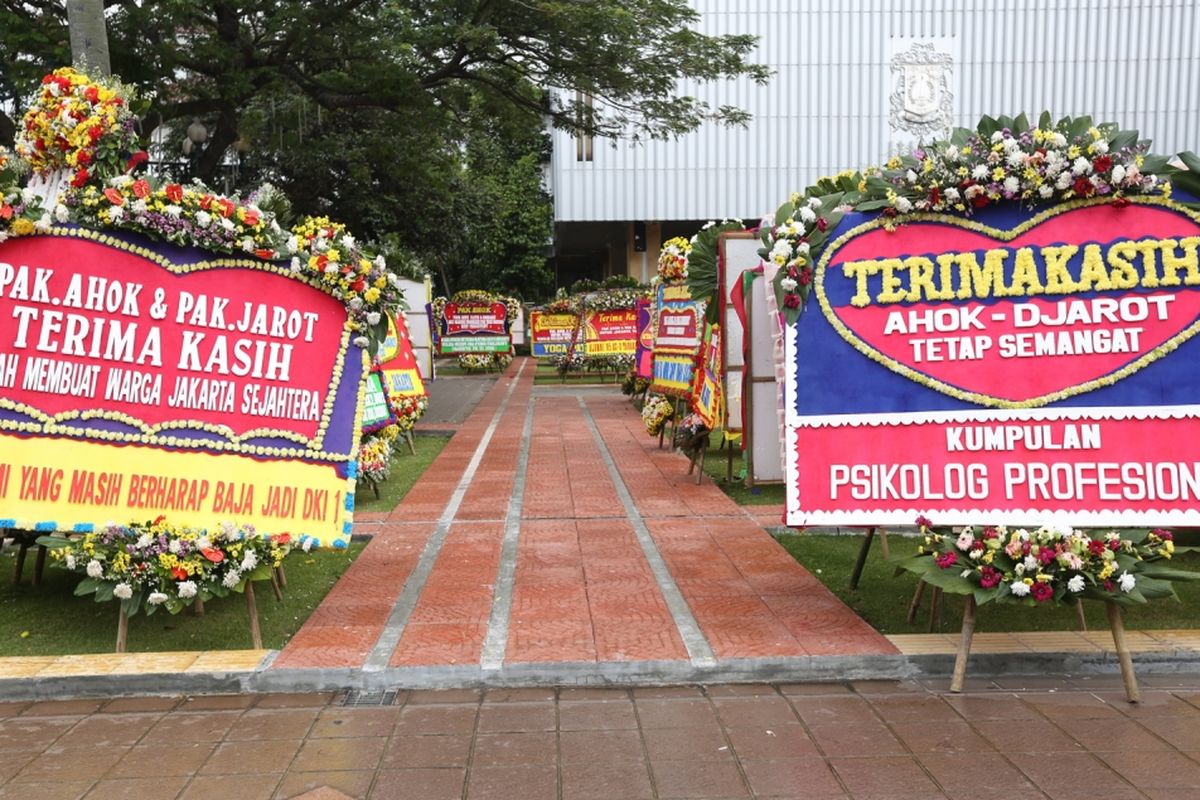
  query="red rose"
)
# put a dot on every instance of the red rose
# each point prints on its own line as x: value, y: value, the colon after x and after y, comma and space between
x: 114, y: 196
x: 358, y: 285
x: 83, y: 158
x: 1083, y: 187
x: 1102, y: 164
x: 81, y: 177
x: 91, y: 94
x: 1041, y: 591
x: 174, y: 192
x: 791, y: 301
x: 141, y: 189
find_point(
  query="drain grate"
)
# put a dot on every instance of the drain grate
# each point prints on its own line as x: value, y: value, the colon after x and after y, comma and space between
x: 356, y: 697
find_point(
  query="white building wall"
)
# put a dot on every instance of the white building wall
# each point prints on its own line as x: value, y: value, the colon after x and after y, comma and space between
x: 1134, y: 62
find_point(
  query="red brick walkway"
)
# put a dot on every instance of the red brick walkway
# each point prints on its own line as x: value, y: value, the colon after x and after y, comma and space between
x: 646, y: 568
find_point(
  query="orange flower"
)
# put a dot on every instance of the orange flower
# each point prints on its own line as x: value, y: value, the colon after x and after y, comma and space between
x: 114, y: 197
x: 174, y: 192
x: 179, y: 573
x: 6, y: 211
x: 281, y: 538
x: 212, y: 554
x: 141, y: 188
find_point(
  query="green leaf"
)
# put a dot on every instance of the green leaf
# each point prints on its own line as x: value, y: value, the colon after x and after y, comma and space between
x: 104, y: 591
x: 1190, y: 160
x: 872, y: 205
x: 1044, y: 121
x: 1122, y: 139
x: 54, y: 542
x: 949, y: 580
x: 1157, y: 569
x: 86, y: 586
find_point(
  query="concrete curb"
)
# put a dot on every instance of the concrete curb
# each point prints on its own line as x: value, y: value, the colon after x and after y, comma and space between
x: 809, y: 669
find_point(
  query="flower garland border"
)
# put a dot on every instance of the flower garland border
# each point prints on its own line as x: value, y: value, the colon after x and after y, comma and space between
x: 1004, y: 236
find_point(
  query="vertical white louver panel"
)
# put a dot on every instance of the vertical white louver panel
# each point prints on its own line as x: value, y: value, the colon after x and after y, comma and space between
x: 827, y: 108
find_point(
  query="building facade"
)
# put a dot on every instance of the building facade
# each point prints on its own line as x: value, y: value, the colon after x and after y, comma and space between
x: 857, y: 80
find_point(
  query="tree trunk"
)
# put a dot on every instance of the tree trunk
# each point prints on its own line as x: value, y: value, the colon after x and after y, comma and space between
x: 89, y: 37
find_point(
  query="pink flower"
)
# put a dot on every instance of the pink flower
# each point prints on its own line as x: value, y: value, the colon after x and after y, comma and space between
x: 945, y: 560
x: 990, y: 577
x: 1041, y: 591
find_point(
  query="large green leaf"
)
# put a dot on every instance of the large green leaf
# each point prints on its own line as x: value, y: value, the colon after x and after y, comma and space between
x: 949, y: 580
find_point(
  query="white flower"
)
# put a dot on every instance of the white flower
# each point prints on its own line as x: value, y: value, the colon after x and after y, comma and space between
x: 1126, y: 582
x: 249, y: 561
x: 997, y: 136
x: 187, y: 589
x: 1019, y: 588
x: 952, y: 195
x: 293, y: 244
x: 231, y: 579
x: 965, y: 540
x: 1064, y: 181
x: 173, y: 211
x: 1046, y: 190
x: 1118, y: 173
x: 138, y: 206
x: 1076, y: 584
x: 380, y: 262
x: 174, y: 546
x: 61, y: 213
x: 1100, y: 146
x: 1019, y: 569
x: 802, y: 248
x: 1030, y: 563
x: 120, y: 181
x: 203, y: 219
x: 966, y: 573
x: 356, y: 303
x: 980, y: 172
x: 331, y: 268
x: 296, y: 265
x: 361, y: 341
x: 307, y: 544
x: 143, y: 541
x: 781, y: 251
x: 116, y: 213
x: 951, y: 153
x: 248, y: 244
x: 807, y: 215
x: 1081, y: 166
x: 70, y: 559
x: 156, y: 598
x: 122, y: 591
x: 373, y: 317
x: 1016, y: 158
x: 1058, y: 140
x: 347, y: 241
x: 227, y: 224
x: 1011, y: 146
x: 203, y: 543
x: 43, y: 223
x: 910, y: 176
x: 903, y: 204
x: 94, y: 569
x: 788, y: 284
x: 814, y: 203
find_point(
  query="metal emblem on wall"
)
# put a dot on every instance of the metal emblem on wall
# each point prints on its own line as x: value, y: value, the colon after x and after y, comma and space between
x: 921, y: 99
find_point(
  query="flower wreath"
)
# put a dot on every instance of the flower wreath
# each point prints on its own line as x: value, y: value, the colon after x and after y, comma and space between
x: 673, y: 259
x: 1003, y: 160
x: 1049, y: 564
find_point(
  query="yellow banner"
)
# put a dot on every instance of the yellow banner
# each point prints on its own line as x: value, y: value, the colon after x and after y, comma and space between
x: 64, y: 484
x: 616, y: 347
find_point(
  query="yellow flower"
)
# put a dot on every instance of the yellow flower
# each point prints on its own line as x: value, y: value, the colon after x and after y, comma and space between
x: 998, y: 174
x: 22, y: 227
x: 371, y: 295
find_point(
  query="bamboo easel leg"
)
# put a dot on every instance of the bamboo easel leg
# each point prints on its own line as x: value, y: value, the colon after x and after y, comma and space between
x: 39, y: 565
x: 412, y: 446
x: 884, y: 550
x: 275, y: 588
x: 252, y: 607
x: 282, y: 576
x: 862, y: 559
x: 1080, y: 614
x: 1117, y: 623
x: 935, y: 609
x: 700, y: 471
x: 198, y: 607
x: 122, y: 627
x: 21, y: 551
x: 964, y: 645
x: 915, y: 605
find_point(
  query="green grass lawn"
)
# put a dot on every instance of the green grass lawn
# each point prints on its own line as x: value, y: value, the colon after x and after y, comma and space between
x: 406, y: 469
x: 882, y: 598
x: 50, y: 620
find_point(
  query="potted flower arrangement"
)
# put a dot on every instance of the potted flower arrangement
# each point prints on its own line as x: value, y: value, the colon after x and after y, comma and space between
x: 656, y: 412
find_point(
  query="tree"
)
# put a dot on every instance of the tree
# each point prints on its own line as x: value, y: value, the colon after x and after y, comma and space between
x: 89, y: 40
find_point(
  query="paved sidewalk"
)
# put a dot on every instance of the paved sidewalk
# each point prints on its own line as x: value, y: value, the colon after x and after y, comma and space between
x: 1043, y: 739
